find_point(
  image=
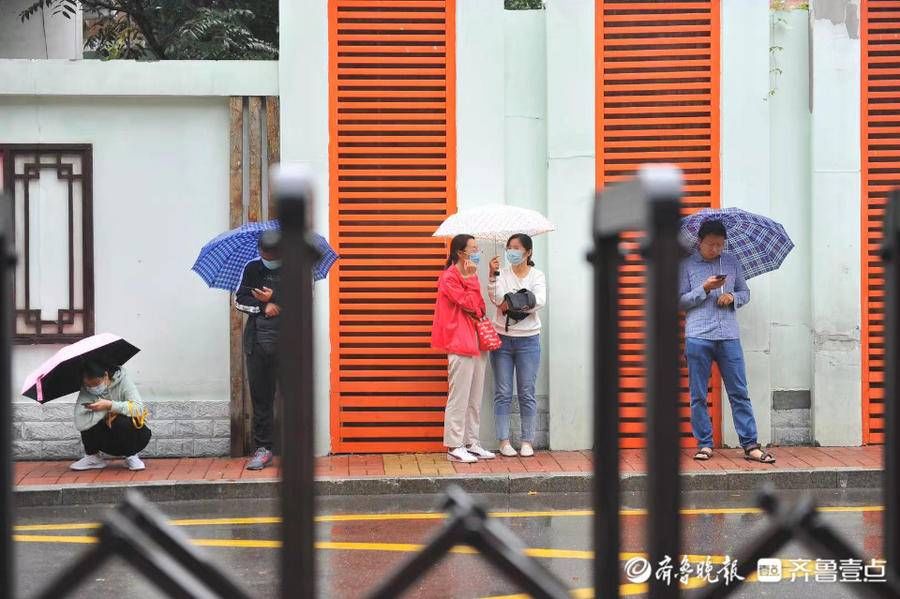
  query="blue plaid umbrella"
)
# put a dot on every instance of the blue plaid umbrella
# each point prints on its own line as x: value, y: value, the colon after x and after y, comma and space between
x: 757, y: 241
x: 221, y: 261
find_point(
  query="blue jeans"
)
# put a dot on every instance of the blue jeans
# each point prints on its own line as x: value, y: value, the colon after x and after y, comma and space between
x: 520, y: 356
x: 729, y: 356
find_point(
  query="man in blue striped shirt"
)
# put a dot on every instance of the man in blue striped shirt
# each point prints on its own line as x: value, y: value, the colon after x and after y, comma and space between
x: 712, y: 289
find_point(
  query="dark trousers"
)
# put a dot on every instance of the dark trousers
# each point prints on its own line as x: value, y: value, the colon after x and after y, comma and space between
x: 119, y: 439
x: 262, y: 371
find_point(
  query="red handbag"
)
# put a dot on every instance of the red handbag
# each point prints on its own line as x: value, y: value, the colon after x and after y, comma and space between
x: 488, y: 339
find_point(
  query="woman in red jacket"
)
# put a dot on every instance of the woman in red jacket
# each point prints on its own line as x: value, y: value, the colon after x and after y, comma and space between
x: 459, y: 303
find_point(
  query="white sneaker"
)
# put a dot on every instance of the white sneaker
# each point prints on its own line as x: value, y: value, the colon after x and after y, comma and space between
x: 89, y: 462
x: 527, y: 450
x: 507, y: 450
x: 133, y: 462
x: 460, y: 454
x: 480, y: 452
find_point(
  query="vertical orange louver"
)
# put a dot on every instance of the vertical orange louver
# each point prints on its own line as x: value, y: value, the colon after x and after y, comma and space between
x: 657, y: 100
x: 392, y: 182
x: 880, y: 137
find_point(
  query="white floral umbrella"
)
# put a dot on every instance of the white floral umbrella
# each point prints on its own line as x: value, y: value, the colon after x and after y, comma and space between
x: 495, y: 222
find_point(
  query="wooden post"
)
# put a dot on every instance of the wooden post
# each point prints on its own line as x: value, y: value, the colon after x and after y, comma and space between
x: 236, y: 217
x: 273, y: 136
x: 241, y: 405
x: 254, y: 215
x: 254, y: 140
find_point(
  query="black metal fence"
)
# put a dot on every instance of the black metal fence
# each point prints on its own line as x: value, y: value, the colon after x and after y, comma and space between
x: 651, y: 203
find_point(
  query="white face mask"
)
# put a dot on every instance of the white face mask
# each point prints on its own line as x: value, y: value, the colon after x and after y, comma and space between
x: 271, y: 264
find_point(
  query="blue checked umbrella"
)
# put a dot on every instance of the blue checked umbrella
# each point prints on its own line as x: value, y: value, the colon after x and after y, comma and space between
x: 758, y: 242
x: 221, y: 261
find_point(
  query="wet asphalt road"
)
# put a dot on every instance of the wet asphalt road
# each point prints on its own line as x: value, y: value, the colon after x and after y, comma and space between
x: 364, y: 538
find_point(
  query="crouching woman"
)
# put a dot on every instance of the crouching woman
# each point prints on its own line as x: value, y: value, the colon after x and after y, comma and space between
x: 110, y: 416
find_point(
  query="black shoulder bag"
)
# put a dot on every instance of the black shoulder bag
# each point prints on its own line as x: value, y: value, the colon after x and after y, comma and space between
x: 517, y: 302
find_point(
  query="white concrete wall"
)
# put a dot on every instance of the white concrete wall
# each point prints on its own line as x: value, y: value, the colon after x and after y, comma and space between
x: 303, y: 82
x: 790, y: 201
x: 525, y: 143
x: 160, y: 191
x: 480, y: 102
x: 132, y: 78
x: 480, y: 134
x: 44, y: 35
x: 570, y: 186
x: 836, y: 269
x: 525, y: 136
x: 745, y: 177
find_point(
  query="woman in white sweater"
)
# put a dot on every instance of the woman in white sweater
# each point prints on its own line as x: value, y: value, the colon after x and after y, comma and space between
x: 519, y: 358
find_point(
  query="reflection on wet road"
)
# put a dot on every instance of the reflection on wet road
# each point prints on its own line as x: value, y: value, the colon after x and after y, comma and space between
x: 361, y: 539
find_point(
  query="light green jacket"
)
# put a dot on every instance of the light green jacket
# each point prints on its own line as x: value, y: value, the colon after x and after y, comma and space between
x: 121, y: 391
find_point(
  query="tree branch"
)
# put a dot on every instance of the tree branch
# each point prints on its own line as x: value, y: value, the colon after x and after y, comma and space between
x: 136, y: 13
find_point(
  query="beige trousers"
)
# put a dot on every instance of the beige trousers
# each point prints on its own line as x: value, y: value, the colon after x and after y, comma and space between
x: 463, y: 413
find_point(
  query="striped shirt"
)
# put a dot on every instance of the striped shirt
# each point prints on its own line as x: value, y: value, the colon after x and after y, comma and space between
x: 705, y: 319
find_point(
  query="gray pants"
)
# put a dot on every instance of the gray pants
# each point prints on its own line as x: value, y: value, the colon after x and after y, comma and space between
x: 463, y: 413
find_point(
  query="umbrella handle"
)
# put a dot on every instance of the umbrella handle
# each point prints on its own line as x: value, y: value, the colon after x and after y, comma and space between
x: 40, y: 390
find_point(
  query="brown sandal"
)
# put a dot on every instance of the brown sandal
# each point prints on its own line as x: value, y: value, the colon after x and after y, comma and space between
x: 703, y: 454
x: 765, y: 458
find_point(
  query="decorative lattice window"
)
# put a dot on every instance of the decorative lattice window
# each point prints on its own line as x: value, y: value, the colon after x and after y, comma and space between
x: 48, y: 201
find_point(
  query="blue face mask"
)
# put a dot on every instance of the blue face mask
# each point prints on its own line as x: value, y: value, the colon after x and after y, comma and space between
x: 515, y: 257
x: 271, y: 264
x: 98, y: 391
x: 475, y: 257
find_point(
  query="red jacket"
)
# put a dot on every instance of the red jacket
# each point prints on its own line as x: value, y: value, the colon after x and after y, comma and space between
x: 453, y: 330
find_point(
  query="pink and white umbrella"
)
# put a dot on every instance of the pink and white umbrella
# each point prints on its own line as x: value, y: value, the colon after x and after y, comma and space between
x: 61, y: 374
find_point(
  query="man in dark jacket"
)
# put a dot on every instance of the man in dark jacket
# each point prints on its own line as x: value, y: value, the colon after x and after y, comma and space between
x: 258, y: 297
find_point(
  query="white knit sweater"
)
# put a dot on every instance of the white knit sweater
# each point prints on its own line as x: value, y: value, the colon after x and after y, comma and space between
x: 508, y: 282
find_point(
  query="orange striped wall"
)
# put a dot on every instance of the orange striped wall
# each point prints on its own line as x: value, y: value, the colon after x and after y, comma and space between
x: 880, y: 138
x: 392, y: 182
x: 657, y: 100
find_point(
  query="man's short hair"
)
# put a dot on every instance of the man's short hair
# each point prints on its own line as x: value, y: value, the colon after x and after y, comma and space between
x: 712, y: 226
x: 270, y: 241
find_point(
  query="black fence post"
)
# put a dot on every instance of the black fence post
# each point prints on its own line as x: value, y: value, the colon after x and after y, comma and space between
x: 891, y: 256
x: 293, y: 186
x: 663, y: 384
x: 606, y: 258
x: 7, y: 262
x: 649, y: 202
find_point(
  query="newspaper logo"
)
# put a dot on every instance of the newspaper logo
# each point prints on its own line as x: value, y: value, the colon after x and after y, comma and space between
x: 768, y: 570
x: 638, y: 570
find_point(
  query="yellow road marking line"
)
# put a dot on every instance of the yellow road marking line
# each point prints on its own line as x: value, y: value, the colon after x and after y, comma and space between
x: 539, y: 552
x: 56, y: 527
x: 432, y: 516
x: 226, y: 521
x: 238, y: 543
x: 275, y: 544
